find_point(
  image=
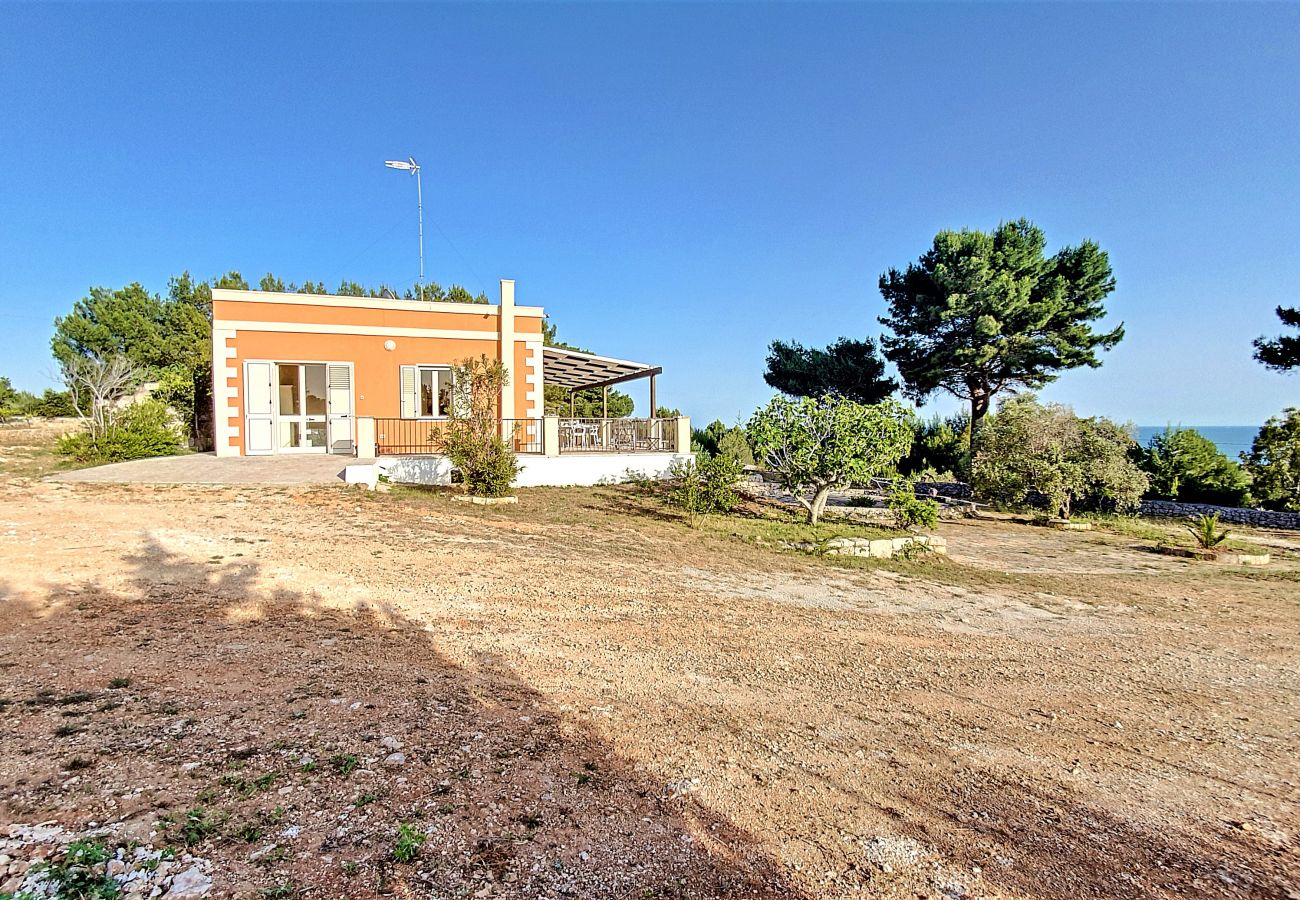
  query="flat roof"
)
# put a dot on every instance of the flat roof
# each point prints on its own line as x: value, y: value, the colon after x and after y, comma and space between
x: 490, y: 309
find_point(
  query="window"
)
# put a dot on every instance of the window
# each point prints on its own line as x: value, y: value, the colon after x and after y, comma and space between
x: 426, y: 392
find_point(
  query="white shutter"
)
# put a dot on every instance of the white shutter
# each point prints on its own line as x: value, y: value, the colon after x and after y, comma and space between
x: 409, y: 394
x: 259, y: 426
x: 339, y: 390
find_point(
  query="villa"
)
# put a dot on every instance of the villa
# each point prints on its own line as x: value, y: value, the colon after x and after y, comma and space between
x: 371, y: 377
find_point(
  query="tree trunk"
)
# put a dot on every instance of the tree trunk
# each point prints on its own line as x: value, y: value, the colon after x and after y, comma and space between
x: 818, y: 504
x: 979, y: 408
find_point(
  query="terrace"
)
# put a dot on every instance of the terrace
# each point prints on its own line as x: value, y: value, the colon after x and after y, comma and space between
x: 647, y: 445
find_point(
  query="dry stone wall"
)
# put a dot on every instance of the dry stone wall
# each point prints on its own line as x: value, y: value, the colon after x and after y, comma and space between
x: 1258, y: 518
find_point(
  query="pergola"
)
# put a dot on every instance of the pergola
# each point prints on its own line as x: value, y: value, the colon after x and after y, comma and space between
x: 578, y: 371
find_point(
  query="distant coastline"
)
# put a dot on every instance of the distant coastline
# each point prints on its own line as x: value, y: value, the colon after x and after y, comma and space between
x: 1232, y: 440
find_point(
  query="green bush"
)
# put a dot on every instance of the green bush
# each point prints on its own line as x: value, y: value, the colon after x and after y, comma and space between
x: 734, y: 444
x: 1187, y: 466
x: 1043, y: 454
x: 706, y: 484
x: 1273, y: 462
x: 472, y: 438
x: 940, y: 448
x: 718, y: 438
x: 909, y: 510
x: 52, y: 404
x: 488, y: 467
x: 138, y: 431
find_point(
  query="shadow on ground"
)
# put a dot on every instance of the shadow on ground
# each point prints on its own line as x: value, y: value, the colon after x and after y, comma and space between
x: 304, y: 734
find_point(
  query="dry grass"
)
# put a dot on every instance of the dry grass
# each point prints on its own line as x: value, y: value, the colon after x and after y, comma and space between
x: 30, y: 449
x: 595, y: 699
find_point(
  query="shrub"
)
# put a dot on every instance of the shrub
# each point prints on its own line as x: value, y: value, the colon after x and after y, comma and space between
x: 51, y: 404
x: 703, y: 485
x: 717, y: 438
x: 816, y: 444
x: 1185, y: 465
x: 137, y: 431
x: 940, y: 447
x: 1273, y: 462
x: 909, y: 510
x: 734, y: 444
x: 472, y: 438
x: 1033, y: 452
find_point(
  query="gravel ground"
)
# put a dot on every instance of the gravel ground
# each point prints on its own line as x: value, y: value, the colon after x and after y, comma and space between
x: 581, y: 697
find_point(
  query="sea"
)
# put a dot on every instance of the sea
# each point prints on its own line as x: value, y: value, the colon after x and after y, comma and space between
x: 1232, y: 440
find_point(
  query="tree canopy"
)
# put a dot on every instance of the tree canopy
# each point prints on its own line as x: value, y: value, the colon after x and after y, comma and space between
x: 1030, y: 450
x: 847, y: 368
x: 816, y: 444
x: 1273, y: 462
x: 1281, y: 353
x: 1186, y: 465
x: 980, y: 313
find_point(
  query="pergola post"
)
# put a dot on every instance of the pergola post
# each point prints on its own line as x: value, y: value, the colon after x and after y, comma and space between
x: 571, y: 406
x: 653, y: 405
x: 604, y: 402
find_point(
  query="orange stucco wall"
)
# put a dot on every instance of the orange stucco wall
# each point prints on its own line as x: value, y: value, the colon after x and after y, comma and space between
x: 376, y: 371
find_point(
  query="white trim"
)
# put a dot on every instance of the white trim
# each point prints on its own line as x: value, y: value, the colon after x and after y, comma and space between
x: 231, y: 392
x: 222, y: 431
x: 241, y: 410
x: 229, y: 295
x: 232, y: 352
x: 533, y: 398
x: 445, y: 367
x: 375, y: 330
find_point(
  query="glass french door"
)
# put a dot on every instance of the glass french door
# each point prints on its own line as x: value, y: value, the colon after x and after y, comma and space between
x: 301, y: 408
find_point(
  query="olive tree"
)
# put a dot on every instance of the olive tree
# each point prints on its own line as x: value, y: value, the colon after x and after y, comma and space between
x: 817, y: 444
x: 1044, y: 451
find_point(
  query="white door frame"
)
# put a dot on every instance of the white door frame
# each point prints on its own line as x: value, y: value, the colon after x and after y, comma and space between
x: 274, y: 417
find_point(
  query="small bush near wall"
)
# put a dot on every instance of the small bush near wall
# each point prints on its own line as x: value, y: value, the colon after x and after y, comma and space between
x: 140, y: 430
x: 471, y: 438
x: 909, y: 510
x: 705, y: 485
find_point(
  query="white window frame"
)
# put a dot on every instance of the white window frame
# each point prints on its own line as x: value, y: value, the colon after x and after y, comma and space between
x: 421, y: 367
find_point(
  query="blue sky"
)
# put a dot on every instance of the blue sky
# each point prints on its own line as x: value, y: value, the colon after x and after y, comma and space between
x: 678, y: 184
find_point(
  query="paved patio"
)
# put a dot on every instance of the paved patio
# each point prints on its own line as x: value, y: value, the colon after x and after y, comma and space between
x: 206, y: 468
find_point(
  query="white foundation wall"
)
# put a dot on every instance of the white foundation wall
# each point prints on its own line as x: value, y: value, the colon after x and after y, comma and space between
x: 542, y: 471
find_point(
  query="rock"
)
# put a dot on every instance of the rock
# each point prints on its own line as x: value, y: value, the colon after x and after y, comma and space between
x: 190, y: 884
x: 392, y: 743
x: 882, y: 548
x: 395, y: 759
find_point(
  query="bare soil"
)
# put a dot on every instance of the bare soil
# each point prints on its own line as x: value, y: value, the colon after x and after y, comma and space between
x: 581, y: 696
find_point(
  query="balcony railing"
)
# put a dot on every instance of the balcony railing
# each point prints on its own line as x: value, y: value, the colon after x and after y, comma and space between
x: 616, y: 435
x: 416, y: 437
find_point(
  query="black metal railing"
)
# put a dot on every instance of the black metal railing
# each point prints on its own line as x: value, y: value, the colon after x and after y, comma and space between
x: 523, y: 435
x: 417, y: 437
x: 616, y: 435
